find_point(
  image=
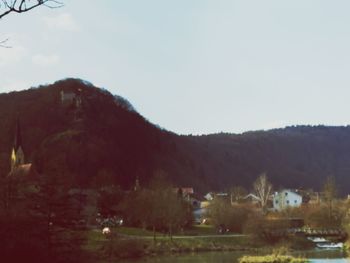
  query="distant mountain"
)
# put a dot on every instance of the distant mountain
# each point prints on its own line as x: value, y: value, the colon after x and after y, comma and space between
x: 95, y: 138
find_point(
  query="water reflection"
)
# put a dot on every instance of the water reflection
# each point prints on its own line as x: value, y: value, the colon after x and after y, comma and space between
x: 330, y: 260
x: 321, y: 253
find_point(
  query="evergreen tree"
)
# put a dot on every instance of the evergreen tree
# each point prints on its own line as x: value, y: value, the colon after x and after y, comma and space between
x: 55, y: 207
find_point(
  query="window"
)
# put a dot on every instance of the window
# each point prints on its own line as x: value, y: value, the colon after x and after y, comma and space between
x: 285, y: 193
x: 287, y: 202
x: 295, y: 201
x: 276, y: 202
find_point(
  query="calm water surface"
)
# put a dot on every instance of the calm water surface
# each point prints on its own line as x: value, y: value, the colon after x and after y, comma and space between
x: 232, y: 257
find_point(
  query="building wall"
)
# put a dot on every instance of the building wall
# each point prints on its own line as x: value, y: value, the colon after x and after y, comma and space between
x: 286, y: 198
x: 70, y: 98
x: 67, y: 97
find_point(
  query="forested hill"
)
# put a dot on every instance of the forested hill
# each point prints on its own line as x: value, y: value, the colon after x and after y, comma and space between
x: 294, y: 157
x: 97, y: 139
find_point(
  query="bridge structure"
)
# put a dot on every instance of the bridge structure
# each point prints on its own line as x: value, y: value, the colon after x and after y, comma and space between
x: 327, y: 233
x: 318, y: 232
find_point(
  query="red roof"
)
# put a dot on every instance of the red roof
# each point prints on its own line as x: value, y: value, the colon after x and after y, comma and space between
x: 185, y: 190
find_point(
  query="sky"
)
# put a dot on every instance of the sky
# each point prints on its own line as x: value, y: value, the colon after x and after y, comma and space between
x: 193, y: 66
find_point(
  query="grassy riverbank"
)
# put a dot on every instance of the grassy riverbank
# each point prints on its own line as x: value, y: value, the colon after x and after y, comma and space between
x: 272, y: 259
x: 132, y: 242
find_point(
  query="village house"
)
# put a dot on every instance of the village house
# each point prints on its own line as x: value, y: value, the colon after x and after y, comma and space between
x: 190, y: 196
x: 185, y: 192
x: 251, y: 198
x: 212, y: 195
x: 199, y: 204
x: 286, y: 198
x: 209, y: 197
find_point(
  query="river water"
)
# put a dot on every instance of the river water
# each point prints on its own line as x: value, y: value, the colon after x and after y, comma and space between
x: 315, y: 256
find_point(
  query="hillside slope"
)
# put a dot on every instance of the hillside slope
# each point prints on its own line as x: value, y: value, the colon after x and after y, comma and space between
x: 102, y: 140
x: 102, y: 137
x: 295, y: 157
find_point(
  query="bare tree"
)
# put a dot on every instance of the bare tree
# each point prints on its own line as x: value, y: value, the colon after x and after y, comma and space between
x: 22, y: 6
x: 262, y: 189
x: 237, y: 194
x: 330, y: 193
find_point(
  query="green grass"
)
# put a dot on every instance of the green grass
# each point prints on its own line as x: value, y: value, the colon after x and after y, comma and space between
x: 272, y: 259
x: 95, y: 239
x: 196, y: 230
x: 199, y: 230
x: 133, y: 231
x: 128, y: 243
x: 208, y: 243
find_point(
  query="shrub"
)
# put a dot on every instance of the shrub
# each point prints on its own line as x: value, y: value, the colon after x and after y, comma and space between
x: 230, y: 216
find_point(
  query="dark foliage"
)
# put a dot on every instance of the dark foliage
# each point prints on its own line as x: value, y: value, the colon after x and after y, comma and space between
x: 105, y: 139
x: 39, y: 221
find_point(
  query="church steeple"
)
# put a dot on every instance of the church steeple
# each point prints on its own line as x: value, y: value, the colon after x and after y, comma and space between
x: 137, y: 184
x: 17, y: 155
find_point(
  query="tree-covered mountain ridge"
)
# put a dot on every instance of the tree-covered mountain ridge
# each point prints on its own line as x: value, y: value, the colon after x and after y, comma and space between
x: 97, y: 138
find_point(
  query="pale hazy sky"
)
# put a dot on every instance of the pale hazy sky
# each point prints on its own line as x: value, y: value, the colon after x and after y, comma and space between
x: 193, y: 66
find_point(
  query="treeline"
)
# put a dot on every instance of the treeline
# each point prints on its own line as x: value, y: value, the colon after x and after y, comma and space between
x: 272, y: 227
x: 293, y: 157
x: 106, y: 140
x: 44, y: 218
x: 159, y: 207
x: 41, y: 220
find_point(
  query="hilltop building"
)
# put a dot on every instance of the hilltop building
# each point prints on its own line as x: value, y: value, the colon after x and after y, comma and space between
x: 71, y: 98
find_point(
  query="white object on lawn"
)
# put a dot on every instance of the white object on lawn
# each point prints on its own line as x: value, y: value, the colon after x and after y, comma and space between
x: 106, y: 231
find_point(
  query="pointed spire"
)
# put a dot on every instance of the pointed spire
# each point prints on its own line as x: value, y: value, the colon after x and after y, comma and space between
x: 137, y: 184
x: 17, y: 155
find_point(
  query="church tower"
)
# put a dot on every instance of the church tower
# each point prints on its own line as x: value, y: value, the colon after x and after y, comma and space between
x: 137, y: 186
x: 17, y: 155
